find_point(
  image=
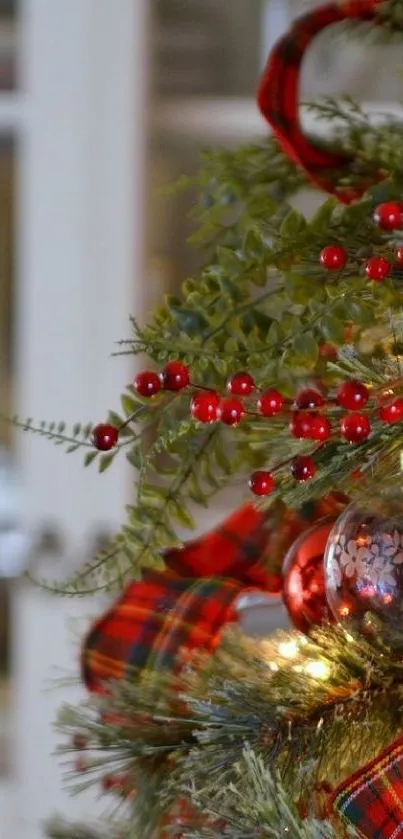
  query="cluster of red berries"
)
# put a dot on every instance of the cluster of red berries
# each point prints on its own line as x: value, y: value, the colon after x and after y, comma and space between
x: 174, y: 377
x: 389, y: 216
x: 306, y: 414
x: 307, y: 423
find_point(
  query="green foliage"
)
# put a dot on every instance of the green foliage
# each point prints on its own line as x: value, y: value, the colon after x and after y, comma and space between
x: 313, y: 710
x: 263, y: 303
x: 261, y: 808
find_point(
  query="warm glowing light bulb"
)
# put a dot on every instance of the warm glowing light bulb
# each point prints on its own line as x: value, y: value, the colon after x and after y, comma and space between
x: 288, y: 649
x: 317, y: 669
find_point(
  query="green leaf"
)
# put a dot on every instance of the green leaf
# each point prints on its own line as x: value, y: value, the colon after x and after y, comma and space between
x: 129, y: 404
x: 180, y: 514
x: 322, y: 218
x: 89, y: 457
x: 72, y: 448
x: 332, y: 328
x: 106, y: 460
x: 293, y: 224
x: 188, y: 320
x: 305, y: 349
x: 253, y: 246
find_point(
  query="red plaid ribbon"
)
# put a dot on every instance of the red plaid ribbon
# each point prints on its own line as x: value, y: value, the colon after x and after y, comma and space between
x: 372, y: 799
x: 187, y: 605
x: 278, y: 94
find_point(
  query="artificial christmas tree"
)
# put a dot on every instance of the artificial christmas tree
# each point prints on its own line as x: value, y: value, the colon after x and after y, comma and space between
x: 280, y: 366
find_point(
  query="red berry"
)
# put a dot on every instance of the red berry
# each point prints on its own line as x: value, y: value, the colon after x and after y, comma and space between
x: 389, y: 215
x: 230, y: 411
x: 320, y: 428
x: 147, y: 383
x: 377, y: 268
x: 109, y: 783
x: 328, y: 352
x: 261, y: 483
x: 270, y: 402
x: 333, y: 257
x: 204, y: 406
x: 352, y: 395
x: 174, y: 376
x: 393, y: 412
x: 309, y: 398
x: 80, y: 765
x: 104, y: 437
x: 399, y: 256
x: 301, y: 425
x: 355, y: 427
x: 303, y: 468
x: 241, y: 384
x: 79, y: 742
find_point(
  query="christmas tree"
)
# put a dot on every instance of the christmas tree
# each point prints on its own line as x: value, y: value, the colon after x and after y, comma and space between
x: 280, y: 366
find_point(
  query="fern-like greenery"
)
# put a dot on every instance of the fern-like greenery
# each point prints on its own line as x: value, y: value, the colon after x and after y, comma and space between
x: 263, y: 303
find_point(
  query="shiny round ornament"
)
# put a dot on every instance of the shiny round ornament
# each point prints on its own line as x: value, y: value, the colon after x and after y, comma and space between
x: 304, y: 580
x: 364, y: 562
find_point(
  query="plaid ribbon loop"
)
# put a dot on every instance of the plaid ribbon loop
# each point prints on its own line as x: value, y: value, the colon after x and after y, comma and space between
x: 168, y: 613
x: 372, y: 799
x: 278, y: 96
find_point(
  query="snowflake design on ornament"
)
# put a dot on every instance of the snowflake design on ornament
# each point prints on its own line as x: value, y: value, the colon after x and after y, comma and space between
x: 392, y: 546
x: 352, y: 557
x: 376, y: 560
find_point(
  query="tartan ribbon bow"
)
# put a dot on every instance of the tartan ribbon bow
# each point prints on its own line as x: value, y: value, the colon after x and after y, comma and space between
x: 186, y: 606
x: 278, y: 95
x: 372, y: 799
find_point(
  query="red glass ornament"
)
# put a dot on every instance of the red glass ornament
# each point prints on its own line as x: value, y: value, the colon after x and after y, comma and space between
x: 301, y: 425
x: 320, y: 429
x: 174, y: 376
x: 274, y: 583
x: 230, y: 411
x: 261, y: 483
x: 389, y: 215
x: 304, y: 579
x: 241, y: 384
x: 147, y: 383
x: 352, y: 395
x: 377, y: 268
x: 393, y: 412
x: 104, y: 437
x: 303, y: 468
x: 204, y: 406
x: 333, y: 257
x: 309, y: 398
x: 355, y: 428
x: 399, y: 256
x: 270, y: 402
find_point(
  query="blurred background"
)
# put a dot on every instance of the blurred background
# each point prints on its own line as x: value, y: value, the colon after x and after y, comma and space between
x: 102, y: 103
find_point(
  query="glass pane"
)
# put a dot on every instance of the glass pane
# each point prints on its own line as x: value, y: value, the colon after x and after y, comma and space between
x: 8, y: 44
x: 206, y: 47
x: 7, y: 488
x: 7, y: 180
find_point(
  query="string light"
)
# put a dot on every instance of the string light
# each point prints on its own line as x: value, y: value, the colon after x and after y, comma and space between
x: 288, y: 649
x: 318, y: 670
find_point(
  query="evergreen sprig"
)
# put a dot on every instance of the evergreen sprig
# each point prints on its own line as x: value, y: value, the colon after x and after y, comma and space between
x: 263, y: 303
x: 311, y: 709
